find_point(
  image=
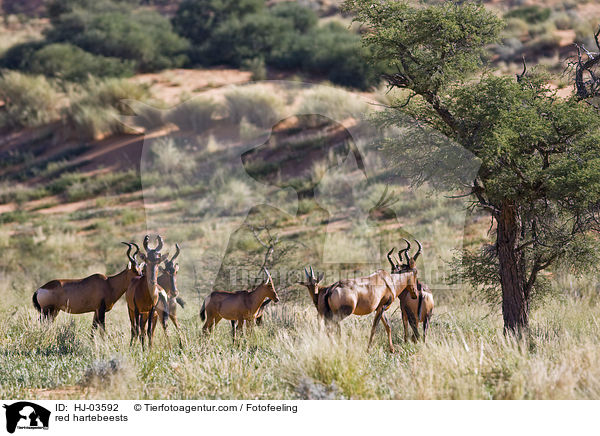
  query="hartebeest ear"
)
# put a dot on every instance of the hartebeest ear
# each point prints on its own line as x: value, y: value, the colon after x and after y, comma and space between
x: 176, y: 267
x: 164, y: 257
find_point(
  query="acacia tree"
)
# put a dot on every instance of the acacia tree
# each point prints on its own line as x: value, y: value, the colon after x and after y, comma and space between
x: 539, y: 177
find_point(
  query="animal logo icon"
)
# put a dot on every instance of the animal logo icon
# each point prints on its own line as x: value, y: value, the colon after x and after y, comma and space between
x: 24, y: 414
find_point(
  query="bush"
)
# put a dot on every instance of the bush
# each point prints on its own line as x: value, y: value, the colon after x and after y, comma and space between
x: 532, y: 14
x: 94, y: 111
x: 252, y: 36
x: 18, y: 56
x: 144, y: 37
x: 72, y: 63
x: 256, y: 104
x: 196, y: 20
x: 29, y: 101
x: 302, y: 18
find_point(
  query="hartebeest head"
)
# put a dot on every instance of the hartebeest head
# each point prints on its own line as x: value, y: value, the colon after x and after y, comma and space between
x: 312, y: 284
x: 152, y: 259
x: 409, y: 267
x: 171, y: 269
x: 411, y: 262
x: 268, y: 284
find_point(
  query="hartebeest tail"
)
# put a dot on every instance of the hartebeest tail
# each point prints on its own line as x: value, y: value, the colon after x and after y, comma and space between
x: 203, y: 311
x: 35, y: 302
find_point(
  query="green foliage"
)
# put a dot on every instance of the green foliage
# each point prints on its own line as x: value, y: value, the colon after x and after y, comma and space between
x: 29, y: 101
x: 285, y: 35
x: 197, y: 20
x: 303, y: 18
x: 434, y: 45
x: 96, y: 105
x: 74, y: 64
x: 144, y: 37
x: 540, y: 167
x: 531, y: 14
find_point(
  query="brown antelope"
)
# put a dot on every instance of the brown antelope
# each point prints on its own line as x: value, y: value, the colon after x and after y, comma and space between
x: 361, y: 296
x: 415, y: 311
x: 238, y: 307
x: 144, y: 293
x: 168, y: 281
x: 313, y: 285
x: 96, y: 293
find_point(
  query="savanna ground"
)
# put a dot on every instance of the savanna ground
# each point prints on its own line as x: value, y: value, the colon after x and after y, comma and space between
x: 290, y: 356
x: 71, y: 191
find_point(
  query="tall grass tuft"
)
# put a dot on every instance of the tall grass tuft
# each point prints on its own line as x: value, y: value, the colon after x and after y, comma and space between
x: 29, y: 101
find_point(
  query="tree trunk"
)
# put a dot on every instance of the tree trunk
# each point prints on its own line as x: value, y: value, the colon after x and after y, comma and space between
x: 515, y: 295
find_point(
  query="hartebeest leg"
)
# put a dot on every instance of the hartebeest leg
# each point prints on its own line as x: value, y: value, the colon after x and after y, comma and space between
x: 425, y: 326
x: 378, y: 315
x: 102, y: 315
x: 150, y: 327
x: 405, y: 323
x: 132, y: 321
x: 388, y: 329
x: 233, y: 329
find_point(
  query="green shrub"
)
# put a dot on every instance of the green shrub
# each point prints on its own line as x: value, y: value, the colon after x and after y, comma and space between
x: 302, y: 17
x: 257, y: 67
x: 29, y: 101
x: 72, y: 63
x: 18, y: 56
x: 144, y: 37
x: 95, y: 108
x: 197, y: 20
x: 563, y: 21
x: 330, y: 51
x: 532, y: 14
x: 251, y: 36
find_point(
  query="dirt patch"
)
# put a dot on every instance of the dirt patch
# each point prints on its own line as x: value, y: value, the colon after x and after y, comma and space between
x: 173, y: 86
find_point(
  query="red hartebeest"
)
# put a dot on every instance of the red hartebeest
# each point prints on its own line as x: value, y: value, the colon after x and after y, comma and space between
x: 96, y: 293
x: 414, y: 310
x: 238, y: 307
x: 144, y: 293
x: 364, y: 295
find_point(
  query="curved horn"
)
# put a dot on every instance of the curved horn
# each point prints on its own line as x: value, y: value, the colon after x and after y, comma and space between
x: 390, y: 258
x: 131, y: 259
x: 145, y: 243
x: 160, y: 243
x: 418, y: 251
x: 267, y: 273
x: 137, y: 249
x: 176, y: 252
x: 306, y: 272
x: 406, y: 251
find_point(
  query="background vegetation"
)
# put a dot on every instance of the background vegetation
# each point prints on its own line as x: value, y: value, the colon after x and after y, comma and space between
x: 70, y: 184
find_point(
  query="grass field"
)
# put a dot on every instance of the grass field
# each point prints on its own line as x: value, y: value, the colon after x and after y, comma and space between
x: 70, y: 224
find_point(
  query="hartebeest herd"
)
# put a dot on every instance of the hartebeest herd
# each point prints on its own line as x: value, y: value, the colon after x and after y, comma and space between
x: 151, y: 297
